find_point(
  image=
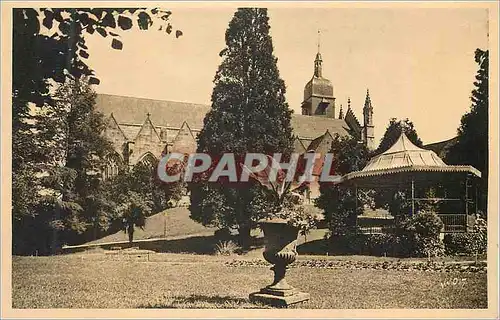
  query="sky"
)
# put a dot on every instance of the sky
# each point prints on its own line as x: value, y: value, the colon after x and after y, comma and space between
x: 418, y: 63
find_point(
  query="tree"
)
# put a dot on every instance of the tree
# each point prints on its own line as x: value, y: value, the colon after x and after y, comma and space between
x: 143, y: 180
x: 72, y: 132
x: 471, y: 147
x: 393, y: 132
x: 249, y: 114
x: 49, y: 48
x: 339, y: 203
x: 133, y: 209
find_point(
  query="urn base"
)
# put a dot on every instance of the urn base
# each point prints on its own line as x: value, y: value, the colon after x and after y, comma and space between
x: 267, y: 297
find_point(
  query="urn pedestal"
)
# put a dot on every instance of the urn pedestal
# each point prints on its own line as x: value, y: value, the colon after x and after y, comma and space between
x: 280, y: 251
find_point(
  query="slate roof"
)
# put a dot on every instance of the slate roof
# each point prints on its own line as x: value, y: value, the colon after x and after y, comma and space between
x: 133, y: 111
x: 130, y: 110
x: 314, y: 126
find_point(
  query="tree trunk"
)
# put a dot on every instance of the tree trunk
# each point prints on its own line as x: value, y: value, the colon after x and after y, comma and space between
x: 130, y: 231
x: 244, y: 236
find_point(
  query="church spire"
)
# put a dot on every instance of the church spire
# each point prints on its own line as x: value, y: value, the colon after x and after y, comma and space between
x: 368, y: 130
x: 368, y: 102
x: 341, y: 113
x: 318, y: 62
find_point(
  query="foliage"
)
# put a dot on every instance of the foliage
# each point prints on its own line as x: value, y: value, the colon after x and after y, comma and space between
x: 249, y: 114
x: 471, y: 147
x: 384, y: 244
x: 226, y: 248
x: 53, y: 180
x: 339, y: 203
x: 480, y: 236
x: 458, y: 243
x: 143, y: 180
x: 140, y: 188
x: 48, y: 48
x: 70, y: 131
x: 294, y: 212
x: 475, y: 242
x: 394, y: 130
x: 420, y: 234
x: 133, y: 209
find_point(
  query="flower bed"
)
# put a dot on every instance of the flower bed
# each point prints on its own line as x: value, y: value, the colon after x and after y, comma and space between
x: 376, y: 265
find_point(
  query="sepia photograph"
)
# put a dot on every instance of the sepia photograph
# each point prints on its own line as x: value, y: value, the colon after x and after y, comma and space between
x: 313, y: 156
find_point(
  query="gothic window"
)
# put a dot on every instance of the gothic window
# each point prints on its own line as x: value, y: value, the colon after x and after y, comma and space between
x: 148, y: 160
x: 112, y: 167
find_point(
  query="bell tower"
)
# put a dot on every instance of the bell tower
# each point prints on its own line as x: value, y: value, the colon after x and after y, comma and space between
x: 318, y: 92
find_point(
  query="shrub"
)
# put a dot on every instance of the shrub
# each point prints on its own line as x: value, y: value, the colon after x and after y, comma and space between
x: 381, y: 244
x: 468, y: 243
x: 344, y: 244
x: 458, y: 243
x: 225, y: 248
x: 480, y: 236
x: 419, y: 235
x: 369, y: 244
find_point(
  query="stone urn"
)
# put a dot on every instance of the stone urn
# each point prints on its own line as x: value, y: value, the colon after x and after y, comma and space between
x: 280, y: 250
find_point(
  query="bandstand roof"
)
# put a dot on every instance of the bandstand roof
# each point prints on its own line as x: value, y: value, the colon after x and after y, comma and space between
x: 404, y: 161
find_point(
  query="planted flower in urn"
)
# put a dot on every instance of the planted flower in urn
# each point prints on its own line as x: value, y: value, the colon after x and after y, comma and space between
x: 287, y: 217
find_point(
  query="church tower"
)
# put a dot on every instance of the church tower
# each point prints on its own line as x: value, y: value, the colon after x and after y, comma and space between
x: 368, y: 126
x: 318, y: 92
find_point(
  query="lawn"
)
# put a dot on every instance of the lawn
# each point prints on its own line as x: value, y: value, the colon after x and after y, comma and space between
x: 172, y: 222
x: 96, y: 280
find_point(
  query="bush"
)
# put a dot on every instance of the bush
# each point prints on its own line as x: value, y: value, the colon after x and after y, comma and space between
x: 225, y: 248
x: 458, y: 243
x: 381, y: 244
x: 369, y: 244
x: 344, y: 244
x: 419, y: 235
x: 468, y: 243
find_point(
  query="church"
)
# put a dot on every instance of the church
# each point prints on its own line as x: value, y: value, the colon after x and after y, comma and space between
x: 141, y: 130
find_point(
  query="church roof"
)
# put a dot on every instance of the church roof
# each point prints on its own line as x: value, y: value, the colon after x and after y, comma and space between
x: 310, y: 127
x: 132, y: 111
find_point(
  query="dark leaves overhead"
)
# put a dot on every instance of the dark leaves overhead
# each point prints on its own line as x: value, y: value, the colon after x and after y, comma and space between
x: 84, y: 54
x: 102, y: 32
x: 124, y: 22
x: 109, y: 20
x: 61, y: 50
x: 117, y: 44
x: 93, y: 80
x: 144, y: 20
x: 48, y: 45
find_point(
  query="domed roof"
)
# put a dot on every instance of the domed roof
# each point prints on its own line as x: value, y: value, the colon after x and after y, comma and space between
x: 318, y: 86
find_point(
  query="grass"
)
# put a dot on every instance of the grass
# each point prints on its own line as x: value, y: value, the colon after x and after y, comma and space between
x: 200, y: 281
x: 177, y: 221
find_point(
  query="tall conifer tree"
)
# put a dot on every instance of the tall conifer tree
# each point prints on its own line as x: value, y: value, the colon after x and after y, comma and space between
x: 249, y: 114
x: 471, y: 147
